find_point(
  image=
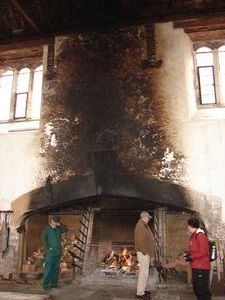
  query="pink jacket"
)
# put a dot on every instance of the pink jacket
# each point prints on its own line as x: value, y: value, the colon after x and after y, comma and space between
x: 199, y: 250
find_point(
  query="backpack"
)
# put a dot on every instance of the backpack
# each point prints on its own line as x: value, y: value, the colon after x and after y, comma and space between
x: 212, y: 251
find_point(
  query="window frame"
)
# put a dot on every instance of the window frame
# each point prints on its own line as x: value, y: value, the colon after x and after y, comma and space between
x: 2, y: 73
x: 200, y: 86
x: 219, y: 101
x: 15, y: 106
x: 13, y: 101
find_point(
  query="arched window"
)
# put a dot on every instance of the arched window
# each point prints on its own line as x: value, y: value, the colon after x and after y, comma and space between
x: 205, y: 66
x: 22, y: 89
x: 20, y: 94
x: 37, y: 92
x: 211, y: 76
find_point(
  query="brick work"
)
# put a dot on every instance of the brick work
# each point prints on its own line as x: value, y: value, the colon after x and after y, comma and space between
x: 111, y: 231
x: 176, y: 234
x: 51, y: 72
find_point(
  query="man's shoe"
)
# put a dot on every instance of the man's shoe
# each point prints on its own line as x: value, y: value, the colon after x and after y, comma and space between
x: 148, y: 293
x: 46, y: 288
x: 54, y: 291
x: 144, y: 297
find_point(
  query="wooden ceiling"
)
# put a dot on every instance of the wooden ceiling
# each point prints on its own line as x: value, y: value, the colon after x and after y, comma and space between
x: 40, y: 18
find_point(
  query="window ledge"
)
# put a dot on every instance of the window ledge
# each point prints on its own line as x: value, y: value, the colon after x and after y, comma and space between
x: 17, y: 126
x: 215, y: 113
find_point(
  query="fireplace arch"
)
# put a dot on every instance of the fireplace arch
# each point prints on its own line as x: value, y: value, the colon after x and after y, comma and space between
x: 122, y: 185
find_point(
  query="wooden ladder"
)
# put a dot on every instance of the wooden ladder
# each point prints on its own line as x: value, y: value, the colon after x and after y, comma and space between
x: 83, y: 241
x: 159, y: 228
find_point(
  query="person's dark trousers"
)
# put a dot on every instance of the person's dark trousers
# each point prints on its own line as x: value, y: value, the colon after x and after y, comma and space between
x: 51, y: 271
x: 200, y: 280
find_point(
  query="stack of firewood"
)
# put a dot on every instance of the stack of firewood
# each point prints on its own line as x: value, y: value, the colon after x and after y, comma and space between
x: 69, y: 250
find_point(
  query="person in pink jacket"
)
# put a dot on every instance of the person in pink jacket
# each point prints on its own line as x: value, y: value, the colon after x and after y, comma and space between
x: 198, y: 256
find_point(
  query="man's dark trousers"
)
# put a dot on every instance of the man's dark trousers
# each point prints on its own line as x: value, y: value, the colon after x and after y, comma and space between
x: 200, y: 279
x: 51, y: 270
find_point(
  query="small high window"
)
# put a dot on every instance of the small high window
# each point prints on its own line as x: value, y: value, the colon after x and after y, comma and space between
x: 22, y: 89
x: 211, y: 76
x: 6, y: 81
x: 20, y: 94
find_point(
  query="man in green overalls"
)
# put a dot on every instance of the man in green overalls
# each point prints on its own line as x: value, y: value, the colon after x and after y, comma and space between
x: 51, y: 236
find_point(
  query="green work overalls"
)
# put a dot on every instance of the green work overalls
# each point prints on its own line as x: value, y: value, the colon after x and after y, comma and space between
x: 52, y: 241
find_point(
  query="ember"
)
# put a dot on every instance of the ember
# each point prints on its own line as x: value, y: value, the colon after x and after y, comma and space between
x: 121, y: 261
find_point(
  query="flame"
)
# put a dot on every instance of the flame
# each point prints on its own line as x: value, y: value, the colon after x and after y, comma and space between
x: 123, y: 260
x: 124, y: 252
x: 129, y: 260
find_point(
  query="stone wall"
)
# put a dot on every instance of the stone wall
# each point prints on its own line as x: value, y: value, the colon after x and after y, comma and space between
x: 9, y: 263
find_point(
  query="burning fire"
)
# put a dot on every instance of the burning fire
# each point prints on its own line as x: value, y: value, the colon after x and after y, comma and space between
x: 123, y: 260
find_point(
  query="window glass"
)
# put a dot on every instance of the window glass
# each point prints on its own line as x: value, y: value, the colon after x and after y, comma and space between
x: 37, y: 93
x: 22, y: 89
x: 221, y: 53
x: 21, y: 105
x: 204, y: 57
x: 6, y: 80
x: 207, y: 90
x: 222, y: 48
x: 23, y: 80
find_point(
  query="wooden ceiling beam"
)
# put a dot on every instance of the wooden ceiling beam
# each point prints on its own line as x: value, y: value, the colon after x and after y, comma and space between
x: 203, y: 28
x: 23, y: 13
x: 205, y: 36
x: 201, y: 24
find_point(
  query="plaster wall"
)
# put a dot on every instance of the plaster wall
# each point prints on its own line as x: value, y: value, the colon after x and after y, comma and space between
x: 197, y: 133
x: 20, y: 165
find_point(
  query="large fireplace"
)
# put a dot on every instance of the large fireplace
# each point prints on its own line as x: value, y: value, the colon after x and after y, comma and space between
x: 100, y: 241
x: 112, y: 246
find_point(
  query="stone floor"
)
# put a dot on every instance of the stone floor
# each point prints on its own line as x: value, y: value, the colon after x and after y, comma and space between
x: 170, y: 291
x: 21, y: 296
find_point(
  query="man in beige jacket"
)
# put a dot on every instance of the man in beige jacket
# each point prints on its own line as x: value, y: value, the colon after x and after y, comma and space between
x: 145, y: 247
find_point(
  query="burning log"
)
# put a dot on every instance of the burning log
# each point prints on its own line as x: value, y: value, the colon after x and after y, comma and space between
x: 111, y: 258
x: 123, y: 261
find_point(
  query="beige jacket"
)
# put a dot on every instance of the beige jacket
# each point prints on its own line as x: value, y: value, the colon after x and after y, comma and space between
x: 144, y: 239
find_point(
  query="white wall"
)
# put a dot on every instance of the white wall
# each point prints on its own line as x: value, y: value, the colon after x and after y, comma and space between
x: 198, y: 134
x: 20, y: 165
